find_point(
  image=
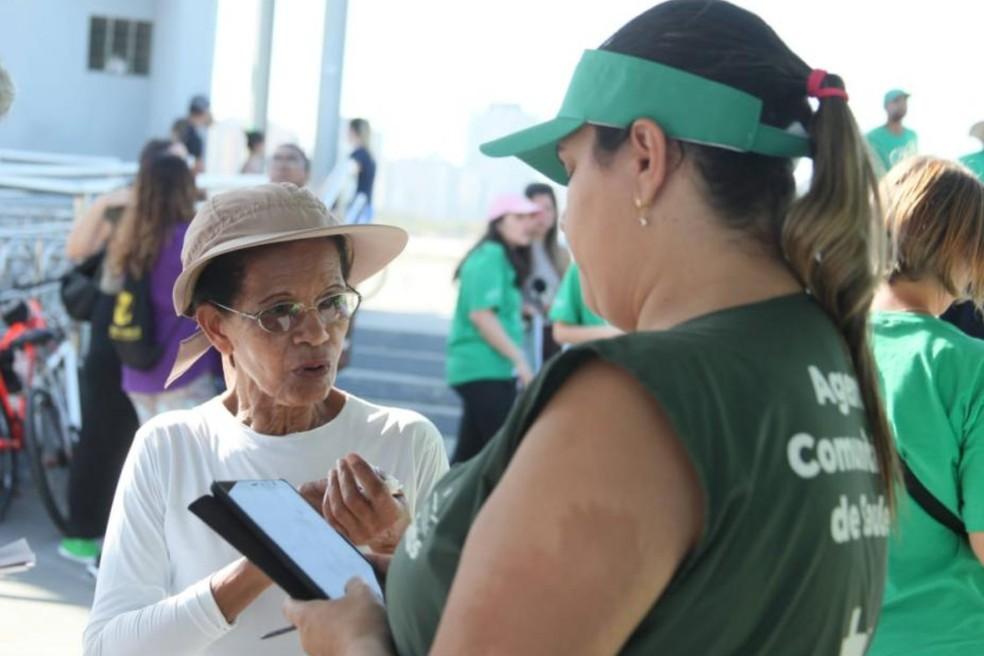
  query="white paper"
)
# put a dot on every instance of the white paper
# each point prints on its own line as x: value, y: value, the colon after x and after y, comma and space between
x: 16, y: 557
x: 304, y: 535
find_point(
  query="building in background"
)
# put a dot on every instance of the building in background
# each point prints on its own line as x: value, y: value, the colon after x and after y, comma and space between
x: 98, y: 77
x: 435, y: 189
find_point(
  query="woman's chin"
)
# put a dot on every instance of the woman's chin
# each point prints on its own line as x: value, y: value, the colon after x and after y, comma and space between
x: 308, y: 392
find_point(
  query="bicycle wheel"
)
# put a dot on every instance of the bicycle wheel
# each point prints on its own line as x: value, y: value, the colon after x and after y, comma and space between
x: 48, y: 452
x: 8, y: 466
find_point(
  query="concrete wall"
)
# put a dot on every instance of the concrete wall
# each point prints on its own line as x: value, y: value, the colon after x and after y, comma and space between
x: 181, y: 60
x: 61, y: 106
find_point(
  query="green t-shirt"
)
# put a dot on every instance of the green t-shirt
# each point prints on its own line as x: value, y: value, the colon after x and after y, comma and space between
x: 975, y: 162
x: 487, y: 282
x: 792, y: 555
x: 892, y: 148
x: 568, y: 306
x: 933, y: 380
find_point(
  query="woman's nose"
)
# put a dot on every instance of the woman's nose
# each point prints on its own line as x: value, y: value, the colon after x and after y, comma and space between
x: 311, y: 329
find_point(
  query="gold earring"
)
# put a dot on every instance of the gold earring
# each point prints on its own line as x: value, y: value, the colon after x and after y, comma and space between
x: 643, y: 220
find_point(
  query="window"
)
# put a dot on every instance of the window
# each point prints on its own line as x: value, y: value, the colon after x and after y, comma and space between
x: 119, y: 46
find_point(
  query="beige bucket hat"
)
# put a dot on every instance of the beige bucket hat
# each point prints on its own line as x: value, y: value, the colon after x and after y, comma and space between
x: 268, y: 214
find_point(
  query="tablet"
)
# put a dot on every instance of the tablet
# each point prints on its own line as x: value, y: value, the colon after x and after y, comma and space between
x: 304, y: 539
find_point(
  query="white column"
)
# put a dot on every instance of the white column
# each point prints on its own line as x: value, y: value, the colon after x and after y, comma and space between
x: 261, y: 70
x: 332, y: 56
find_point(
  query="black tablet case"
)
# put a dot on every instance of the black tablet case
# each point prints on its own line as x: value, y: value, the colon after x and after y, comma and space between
x: 226, y: 520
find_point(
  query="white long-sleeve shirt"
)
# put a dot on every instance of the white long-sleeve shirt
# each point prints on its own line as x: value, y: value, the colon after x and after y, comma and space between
x: 153, y: 594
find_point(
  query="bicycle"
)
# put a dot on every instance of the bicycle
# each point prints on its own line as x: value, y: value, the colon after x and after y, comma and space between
x: 18, y: 317
x: 48, y: 424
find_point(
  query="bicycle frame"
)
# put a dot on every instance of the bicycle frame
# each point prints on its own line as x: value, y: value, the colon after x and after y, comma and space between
x: 16, y: 414
x: 64, y: 358
x: 15, y: 417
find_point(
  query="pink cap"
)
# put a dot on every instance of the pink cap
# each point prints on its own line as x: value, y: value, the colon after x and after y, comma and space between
x: 511, y: 204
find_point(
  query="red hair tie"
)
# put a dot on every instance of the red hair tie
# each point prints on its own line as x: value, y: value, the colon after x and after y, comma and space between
x: 814, y: 90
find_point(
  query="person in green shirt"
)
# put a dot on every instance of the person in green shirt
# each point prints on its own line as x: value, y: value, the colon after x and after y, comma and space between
x: 893, y: 142
x: 485, y: 343
x: 933, y: 380
x: 717, y: 480
x: 574, y: 322
x: 975, y: 161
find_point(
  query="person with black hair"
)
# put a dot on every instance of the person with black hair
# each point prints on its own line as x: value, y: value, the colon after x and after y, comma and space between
x: 719, y: 480
x: 268, y: 277
x: 290, y: 164
x: 548, y: 262
x: 363, y: 164
x: 485, y: 344
x: 192, y: 128
x: 256, y: 146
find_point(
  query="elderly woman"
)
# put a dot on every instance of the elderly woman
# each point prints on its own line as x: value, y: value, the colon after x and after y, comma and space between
x: 268, y: 273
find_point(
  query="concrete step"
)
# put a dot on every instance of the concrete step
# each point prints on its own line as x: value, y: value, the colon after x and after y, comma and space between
x: 400, y: 387
x: 400, y: 361
x: 398, y: 339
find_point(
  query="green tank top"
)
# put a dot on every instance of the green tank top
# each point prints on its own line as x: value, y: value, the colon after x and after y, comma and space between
x: 792, y: 556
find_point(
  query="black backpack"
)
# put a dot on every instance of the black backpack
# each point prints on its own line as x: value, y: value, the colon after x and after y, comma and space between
x: 132, y: 329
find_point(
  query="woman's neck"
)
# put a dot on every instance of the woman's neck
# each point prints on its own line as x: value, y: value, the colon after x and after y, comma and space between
x: 264, y: 415
x: 711, y: 270
x: 920, y: 296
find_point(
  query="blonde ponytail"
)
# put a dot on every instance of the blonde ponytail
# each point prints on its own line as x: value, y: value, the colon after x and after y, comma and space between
x: 834, y: 240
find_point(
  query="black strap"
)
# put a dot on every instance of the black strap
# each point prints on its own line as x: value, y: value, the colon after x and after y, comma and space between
x: 931, y: 504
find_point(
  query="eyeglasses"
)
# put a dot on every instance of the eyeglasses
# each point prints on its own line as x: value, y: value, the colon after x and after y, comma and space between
x: 284, y: 317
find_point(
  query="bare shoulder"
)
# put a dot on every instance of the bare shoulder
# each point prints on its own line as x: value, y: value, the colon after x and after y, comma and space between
x: 603, y: 424
x: 588, y: 524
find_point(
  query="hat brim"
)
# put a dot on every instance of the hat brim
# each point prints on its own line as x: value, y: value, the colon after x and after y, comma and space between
x: 895, y: 96
x: 373, y: 247
x: 537, y: 146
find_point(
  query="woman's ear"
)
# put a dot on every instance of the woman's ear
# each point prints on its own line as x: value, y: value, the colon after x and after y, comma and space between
x: 213, y: 323
x: 652, y: 158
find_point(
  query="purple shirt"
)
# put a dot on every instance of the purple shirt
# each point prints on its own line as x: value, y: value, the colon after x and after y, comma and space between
x: 169, y: 329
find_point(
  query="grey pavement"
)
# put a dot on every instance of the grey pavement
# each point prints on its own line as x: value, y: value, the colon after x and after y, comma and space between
x: 43, y: 610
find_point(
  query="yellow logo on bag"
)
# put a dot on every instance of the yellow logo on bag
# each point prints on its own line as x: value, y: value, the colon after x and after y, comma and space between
x: 122, y: 329
x: 123, y: 313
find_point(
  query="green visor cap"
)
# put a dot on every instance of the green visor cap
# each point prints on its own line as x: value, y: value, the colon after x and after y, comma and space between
x: 611, y: 89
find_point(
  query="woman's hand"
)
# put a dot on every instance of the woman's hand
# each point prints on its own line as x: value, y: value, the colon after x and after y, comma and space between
x: 357, y: 502
x: 524, y: 372
x: 355, y: 624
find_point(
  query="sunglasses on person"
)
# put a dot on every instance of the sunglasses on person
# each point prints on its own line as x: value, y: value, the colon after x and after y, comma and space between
x: 284, y: 317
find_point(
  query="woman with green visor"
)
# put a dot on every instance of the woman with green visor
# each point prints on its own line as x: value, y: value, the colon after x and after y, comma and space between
x: 717, y: 480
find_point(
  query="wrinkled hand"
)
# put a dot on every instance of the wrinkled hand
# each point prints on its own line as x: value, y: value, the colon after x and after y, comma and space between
x: 354, y: 624
x: 356, y: 501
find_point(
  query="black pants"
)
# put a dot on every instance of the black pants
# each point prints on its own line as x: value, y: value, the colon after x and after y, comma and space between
x: 108, y: 425
x: 486, y: 405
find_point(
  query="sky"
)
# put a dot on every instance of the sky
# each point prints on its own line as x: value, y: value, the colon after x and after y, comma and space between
x: 419, y: 70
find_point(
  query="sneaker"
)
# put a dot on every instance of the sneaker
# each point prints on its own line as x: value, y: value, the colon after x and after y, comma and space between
x: 80, y: 550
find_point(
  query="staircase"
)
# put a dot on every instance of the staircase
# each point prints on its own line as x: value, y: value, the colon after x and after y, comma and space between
x: 398, y: 360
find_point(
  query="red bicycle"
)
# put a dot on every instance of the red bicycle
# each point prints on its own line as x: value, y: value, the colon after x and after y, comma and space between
x: 24, y: 425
